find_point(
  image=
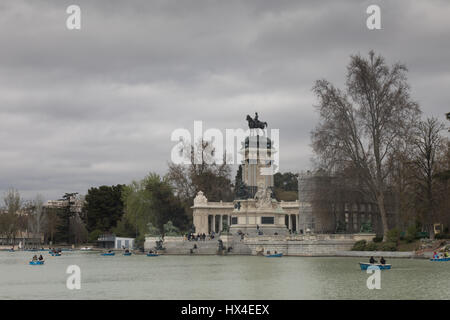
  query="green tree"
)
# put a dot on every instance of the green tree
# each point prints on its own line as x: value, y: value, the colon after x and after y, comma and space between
x: 151, y: 201
x: 103, y: 207
x: 285, y: 186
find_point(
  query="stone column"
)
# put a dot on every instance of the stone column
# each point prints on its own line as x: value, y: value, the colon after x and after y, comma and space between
x: 205, y: 223
x: 213, y: 223
x: 290, y: 221
x: 221, y: 223
x: 297, y: 223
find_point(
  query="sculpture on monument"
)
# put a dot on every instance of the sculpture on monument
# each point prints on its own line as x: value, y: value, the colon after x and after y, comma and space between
x: 263, y: 197
x: 255, y: 123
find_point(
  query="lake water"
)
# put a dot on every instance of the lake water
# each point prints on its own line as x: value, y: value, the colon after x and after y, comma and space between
x: 217, y: 277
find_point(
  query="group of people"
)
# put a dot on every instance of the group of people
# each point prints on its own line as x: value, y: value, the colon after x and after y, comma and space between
x: 35, y: 258
x: 440, y: 255
x: 372, y: 260
x: 200, y: 236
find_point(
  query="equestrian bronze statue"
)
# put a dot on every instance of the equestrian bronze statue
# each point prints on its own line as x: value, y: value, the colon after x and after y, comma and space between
x: 255, y: 123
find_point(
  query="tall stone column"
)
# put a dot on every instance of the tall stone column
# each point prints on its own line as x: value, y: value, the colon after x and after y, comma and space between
x: 214, y: 223
x: 297, y: 223
x: 290, y: 222
x: 221, y: 223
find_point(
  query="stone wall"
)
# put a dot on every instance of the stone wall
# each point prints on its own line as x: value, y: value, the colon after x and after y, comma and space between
x: 177, y: 245
x: 386, y: 254
x: 295, y: 245
x: 320, y: 245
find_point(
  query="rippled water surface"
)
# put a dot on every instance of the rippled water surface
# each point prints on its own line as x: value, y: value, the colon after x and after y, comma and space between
x: 217, y: 277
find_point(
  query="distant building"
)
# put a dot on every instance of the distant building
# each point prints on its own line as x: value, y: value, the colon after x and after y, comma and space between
x: 329, y: 204
x: 110, y: 241
x: 76, y: 204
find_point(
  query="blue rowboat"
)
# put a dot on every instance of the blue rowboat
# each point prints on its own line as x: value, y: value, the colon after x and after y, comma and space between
x: 440, y: 259
x: 364, y: 266
x: 55, y: 254
x: 152, y: 254
x: 275, y: 255
x: 35, y: 263
x: 127, y: 253
x: 11, y: 250
x: 108, y: 254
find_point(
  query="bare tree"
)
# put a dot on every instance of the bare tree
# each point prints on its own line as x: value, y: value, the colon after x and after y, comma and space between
x: 10, y: 218
x: 37, y: 216
x: 428, y: 144
x: 52, y: 222
x: 362, y: 125
x: 202, y: 173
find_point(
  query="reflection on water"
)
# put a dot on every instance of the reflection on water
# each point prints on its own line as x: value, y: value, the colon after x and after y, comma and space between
x: 217, y: 277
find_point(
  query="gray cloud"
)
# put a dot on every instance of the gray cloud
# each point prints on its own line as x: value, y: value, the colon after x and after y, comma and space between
x: 97, y: 106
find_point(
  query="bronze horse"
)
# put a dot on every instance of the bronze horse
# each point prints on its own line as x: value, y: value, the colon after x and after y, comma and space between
x: 255, y: 124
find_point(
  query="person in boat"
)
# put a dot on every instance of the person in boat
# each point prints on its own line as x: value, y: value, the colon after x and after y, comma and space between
x: 446, y: 254
x: 372, y: 260
x: 435, y: 256
x: 382, y: 261
x: 41, y: 257
x: 35, y: 258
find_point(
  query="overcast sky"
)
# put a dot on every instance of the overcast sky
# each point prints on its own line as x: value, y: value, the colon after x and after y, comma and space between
x: 97, y: 106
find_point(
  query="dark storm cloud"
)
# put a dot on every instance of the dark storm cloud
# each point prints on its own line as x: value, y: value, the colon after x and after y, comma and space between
x: 97, y: 106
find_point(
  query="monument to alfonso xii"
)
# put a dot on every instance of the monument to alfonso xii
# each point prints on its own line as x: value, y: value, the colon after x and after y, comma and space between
x: 254, y: 210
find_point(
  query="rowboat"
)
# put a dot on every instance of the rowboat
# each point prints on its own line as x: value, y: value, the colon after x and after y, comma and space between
x: 34, y: 263
x: 275, y: 255
x: 55, y: 254
x: 108, y: 254
x: 364, y: 266
x: 152, y: 254
x: 127, y: 253
x: 440, y: 259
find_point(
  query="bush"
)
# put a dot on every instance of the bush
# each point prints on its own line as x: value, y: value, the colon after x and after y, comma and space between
x: 93, y: 235
x: 442, y: 236
x: 411, y: 233
x: 423, y: 235
x: 393, y: 235
x: 359, y: 245
x: 388, y: 246
x: 377, y: 239
x: 372, y: 246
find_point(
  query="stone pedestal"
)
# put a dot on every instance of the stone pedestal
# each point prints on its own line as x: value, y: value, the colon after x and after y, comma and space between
x: 262, y: 214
